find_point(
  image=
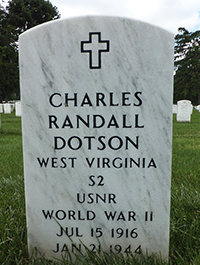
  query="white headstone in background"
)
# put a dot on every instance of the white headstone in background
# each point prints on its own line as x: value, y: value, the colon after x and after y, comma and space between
x: 97, y: 135
x: 1, y: 111
x: 184, y: 110
x: 12, y: 105
x: 191, y: 109
x: 18, y: 108
x: 7, y: 108
x: 198, y: 107
x: 1, y: 108
x: 174, y: 108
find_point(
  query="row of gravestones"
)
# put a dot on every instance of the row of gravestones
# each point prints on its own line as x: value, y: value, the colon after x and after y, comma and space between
x: 7, y: 108
x: 183, y: 110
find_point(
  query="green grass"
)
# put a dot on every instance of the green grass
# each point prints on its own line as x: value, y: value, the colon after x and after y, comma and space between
x: 185, y: 193
x: 185, y: 200
x: 11, y: 163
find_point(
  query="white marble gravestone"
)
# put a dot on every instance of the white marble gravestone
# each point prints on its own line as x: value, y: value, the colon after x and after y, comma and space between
x: 1, y: 108
x: 175, y: 108
x: 18, y: 111
x: 97, y: 126
x: 184, y: 111
x: 1, y: 111
x: 12, y: 105
x: 198, y: 108
x: 7, y: 108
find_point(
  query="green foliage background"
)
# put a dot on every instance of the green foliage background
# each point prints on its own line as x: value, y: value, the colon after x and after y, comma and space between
x: 187, y: 66
x: 18, y: 16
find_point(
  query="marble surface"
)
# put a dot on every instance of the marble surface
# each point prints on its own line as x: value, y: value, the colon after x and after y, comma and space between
x: 198, y: 107
x: 7, y: 108
x: 184, y: 110
x: 18, y: 111
x: 97, y: 133
x: 1, y: 108
x: 175, y: 107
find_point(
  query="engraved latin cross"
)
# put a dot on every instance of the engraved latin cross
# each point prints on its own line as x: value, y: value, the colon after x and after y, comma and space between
x: 95, y: 46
